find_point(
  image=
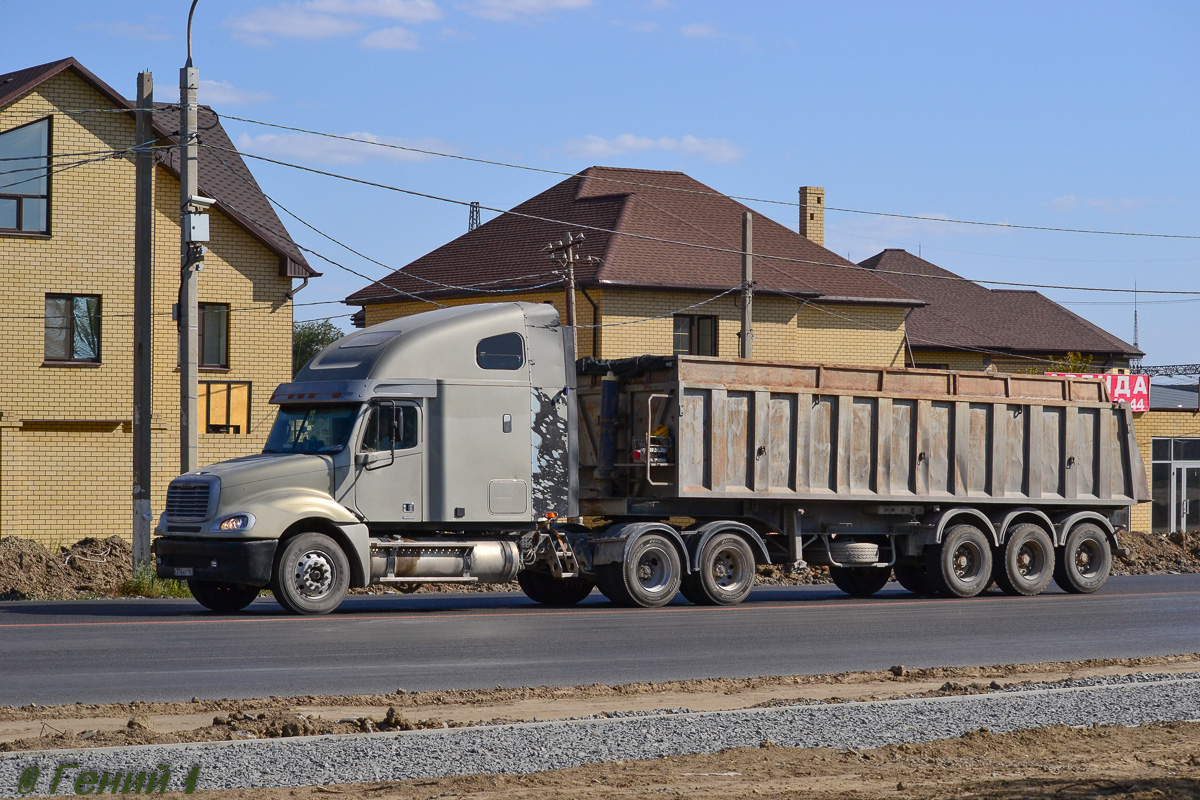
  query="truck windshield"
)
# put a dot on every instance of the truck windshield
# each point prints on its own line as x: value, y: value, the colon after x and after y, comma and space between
x: 312, y: 429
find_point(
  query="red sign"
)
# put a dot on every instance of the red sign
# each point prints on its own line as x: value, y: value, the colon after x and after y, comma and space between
x: 1132, y: 389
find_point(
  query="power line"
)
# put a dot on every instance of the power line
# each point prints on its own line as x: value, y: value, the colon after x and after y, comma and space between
x: 727, y: 250
x: 510, y: 165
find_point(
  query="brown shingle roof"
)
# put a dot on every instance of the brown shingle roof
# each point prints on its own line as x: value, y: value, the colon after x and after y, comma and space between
x: 233, y: 186
x: 637, y: 203
x: 961, y: 314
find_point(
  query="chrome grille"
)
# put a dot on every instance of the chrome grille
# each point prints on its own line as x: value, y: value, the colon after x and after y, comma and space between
x: 186, y: 500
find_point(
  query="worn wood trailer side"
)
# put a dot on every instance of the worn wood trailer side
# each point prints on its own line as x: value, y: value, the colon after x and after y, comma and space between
x: 867, y: 469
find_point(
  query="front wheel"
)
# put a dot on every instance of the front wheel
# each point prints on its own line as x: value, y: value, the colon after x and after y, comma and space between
x: 222, y: 596
x: 860, y: 581
x: 311, y: 575
x: 725, y: 575
x: 961, y: 566
x: 541, y: 587
x: 1084, y: 561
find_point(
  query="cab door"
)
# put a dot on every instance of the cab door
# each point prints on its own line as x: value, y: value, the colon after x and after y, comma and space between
x: 389, y: 464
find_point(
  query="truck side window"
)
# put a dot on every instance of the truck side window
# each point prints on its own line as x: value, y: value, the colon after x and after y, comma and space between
x: 506, y: 351
x: 390, y: 427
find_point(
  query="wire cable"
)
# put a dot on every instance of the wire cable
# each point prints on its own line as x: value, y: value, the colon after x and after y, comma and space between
x: 727, y: 250
x: 424, y: 151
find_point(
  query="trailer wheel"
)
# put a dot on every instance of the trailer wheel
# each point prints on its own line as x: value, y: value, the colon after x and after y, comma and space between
x: 311, y: 574
x: 725, y: 575
x: 222, y: 596
x: 544, y: 588
x: 961, y: 565
x: 913, y: 576
x: 1025, y: 564
x: 610, y: 584
x: 860, y: 581
x: 1084, y: 561
x: 650, y: 575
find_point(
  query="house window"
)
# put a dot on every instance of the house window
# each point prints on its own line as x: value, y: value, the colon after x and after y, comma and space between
x: 695, y: 335
x: 72, y: 327
x: 224, y: 406
x: 25, y: 178
x: 214, y: 335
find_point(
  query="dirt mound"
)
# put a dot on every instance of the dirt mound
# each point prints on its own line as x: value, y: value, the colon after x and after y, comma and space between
x: 1156, y: 553
x: 238, y: 724
x: 89, y: 568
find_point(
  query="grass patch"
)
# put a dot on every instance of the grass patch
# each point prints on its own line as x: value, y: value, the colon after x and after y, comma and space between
x: 146, y: 583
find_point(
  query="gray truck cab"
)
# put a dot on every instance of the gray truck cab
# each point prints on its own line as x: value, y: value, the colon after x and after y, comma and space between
x: 393, y: 450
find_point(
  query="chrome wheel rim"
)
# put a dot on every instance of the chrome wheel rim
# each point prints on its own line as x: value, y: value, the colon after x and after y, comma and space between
x: 728, y: 569
x: 314, y: 575
x: 653, y: 570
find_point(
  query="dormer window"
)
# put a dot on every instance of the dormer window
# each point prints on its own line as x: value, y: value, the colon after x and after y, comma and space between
x: 25, y: 179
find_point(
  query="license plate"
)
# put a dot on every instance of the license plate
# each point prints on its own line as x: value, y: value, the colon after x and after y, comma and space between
x: 183, y: 572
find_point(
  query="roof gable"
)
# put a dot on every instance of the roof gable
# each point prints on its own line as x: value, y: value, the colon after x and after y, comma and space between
x: 649, y: 229
x: 231, y: 183
x: 963, y: 314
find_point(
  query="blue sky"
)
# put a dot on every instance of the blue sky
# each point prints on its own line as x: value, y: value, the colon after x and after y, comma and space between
x: 1059, y: 114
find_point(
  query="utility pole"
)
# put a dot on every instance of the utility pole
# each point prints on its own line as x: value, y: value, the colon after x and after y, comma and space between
x: 563, y: 251
x: 143, y: 305
x: 746, y: 336
x: 473, y: 220
x: 193, y: 232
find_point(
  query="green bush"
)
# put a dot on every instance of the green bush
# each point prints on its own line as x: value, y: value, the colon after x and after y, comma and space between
x: 146, y: 583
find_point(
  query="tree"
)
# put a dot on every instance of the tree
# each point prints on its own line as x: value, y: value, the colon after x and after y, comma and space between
x: 1072, y: 362
x: 309, y: 338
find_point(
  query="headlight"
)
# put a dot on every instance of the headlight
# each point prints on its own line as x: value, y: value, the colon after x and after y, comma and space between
x: 235, y: 523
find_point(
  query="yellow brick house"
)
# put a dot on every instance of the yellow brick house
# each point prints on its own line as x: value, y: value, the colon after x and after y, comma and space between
x: 659, y: 271
x: 67, y: 299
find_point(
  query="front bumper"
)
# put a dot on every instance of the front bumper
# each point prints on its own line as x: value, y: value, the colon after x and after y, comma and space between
x: 245, y: 561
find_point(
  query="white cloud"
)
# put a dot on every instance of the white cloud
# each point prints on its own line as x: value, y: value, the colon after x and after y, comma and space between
x: 323, y: 19
x: 216, y: 93
x: 720, y: 151
x: 289, y: 22
x: 129, y: 30
x: 303, y: 147
x: 506, y: 10
x: 392, y: 39
x: 410, y: 11
x: 699, y: 30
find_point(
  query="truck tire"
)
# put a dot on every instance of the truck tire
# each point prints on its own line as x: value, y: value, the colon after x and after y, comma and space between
x: 913, y: 576
x: 725, y: 575
x: 222, y: 596
x: 544, y: 588
x: 860, y: 581
x: 1084, y: 561
x: 1025, y: 564
x: 854, y: 554
x: 649, y: 577
x: 961, y: 566
x: 608, y: 581
x: 311, y: 574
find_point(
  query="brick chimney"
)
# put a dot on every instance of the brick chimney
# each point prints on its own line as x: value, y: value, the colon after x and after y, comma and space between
x: 812, y: 213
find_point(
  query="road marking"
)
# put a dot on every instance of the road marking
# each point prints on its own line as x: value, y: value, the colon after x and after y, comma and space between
x: 405, y: 615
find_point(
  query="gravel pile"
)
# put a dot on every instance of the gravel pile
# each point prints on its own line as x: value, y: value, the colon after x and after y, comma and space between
x: 533, y: 747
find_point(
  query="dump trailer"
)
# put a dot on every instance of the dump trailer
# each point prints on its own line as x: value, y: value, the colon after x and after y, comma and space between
x: 465, y: 445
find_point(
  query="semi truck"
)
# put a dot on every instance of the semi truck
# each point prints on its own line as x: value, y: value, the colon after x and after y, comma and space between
x: 467, y: 445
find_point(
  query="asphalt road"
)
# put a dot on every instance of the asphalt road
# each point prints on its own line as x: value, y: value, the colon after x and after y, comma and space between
x: 123, y: 650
